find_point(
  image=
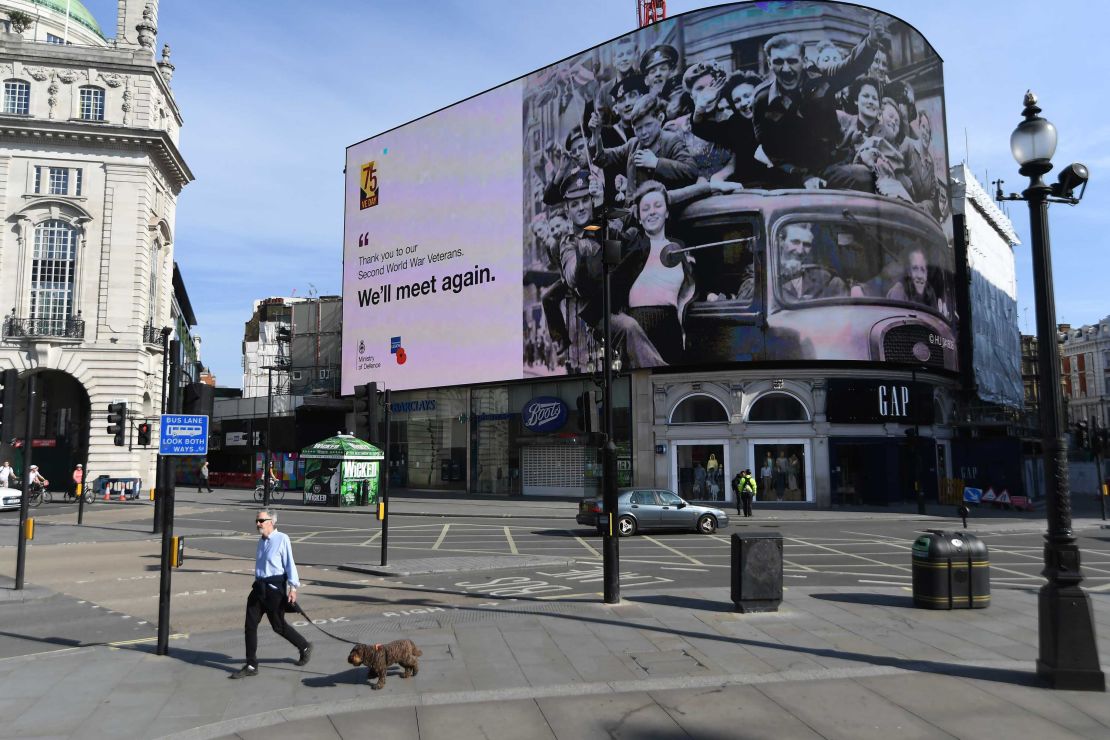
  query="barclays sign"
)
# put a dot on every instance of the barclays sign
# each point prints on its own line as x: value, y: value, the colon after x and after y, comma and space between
x: 544, y: 414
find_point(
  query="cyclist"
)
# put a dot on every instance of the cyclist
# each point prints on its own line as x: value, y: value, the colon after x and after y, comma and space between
x: 36, y: 486
x: 78, y: 478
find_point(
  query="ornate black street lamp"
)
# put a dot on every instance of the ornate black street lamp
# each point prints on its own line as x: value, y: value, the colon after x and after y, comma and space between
x: 1068, y: 649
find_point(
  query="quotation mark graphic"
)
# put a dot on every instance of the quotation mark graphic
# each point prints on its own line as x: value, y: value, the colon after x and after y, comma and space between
x: 364, y: 239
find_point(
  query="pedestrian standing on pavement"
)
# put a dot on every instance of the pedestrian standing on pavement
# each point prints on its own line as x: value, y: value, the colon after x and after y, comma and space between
x: 202, y: 480
x: 6, y: 473
x: 78, y: 478
x: 747, y: 491
x: 736, y: 490
x: 274, y: 573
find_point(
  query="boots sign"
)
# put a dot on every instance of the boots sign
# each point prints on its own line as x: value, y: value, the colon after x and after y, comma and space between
x: 857, y: 401
x: 544, y: 415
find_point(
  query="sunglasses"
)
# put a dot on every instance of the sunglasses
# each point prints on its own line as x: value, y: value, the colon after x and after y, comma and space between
x: 260, y: 521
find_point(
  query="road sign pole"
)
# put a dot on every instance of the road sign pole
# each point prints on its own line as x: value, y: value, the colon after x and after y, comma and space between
x: 167, y: 494
x: 383, y: 490
x: 25, y: 499
x: 158, y: 483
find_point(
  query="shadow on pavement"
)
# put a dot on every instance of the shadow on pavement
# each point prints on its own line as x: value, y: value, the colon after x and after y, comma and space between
x: 683, y: 602
x: 982, y: 673
x: 902, y: 602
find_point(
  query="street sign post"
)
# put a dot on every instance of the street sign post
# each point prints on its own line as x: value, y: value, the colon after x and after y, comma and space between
x: 183, y: 434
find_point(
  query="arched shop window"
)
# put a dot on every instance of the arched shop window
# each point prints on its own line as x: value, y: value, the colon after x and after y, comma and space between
x: 699, y: 409
x: 777, y: 407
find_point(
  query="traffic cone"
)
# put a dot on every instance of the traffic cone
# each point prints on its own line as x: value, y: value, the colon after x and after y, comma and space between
x: 122, y: 496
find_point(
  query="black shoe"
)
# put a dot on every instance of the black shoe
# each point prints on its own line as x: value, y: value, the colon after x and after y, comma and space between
x: 306, y: 655
x: 245, y: 672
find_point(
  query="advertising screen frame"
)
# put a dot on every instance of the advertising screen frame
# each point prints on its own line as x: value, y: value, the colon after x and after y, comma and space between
x: 723, y: 331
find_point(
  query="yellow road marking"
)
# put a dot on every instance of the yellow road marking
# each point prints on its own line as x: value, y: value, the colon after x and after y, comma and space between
x: 654, y: 541
x: 141, y: 640
x: 585, y: 544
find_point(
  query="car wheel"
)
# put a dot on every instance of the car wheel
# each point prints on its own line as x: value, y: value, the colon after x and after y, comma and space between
x: 707, y: 524
x: 626, y: 526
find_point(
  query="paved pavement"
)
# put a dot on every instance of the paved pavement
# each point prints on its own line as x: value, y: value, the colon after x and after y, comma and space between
x: 856, y: 662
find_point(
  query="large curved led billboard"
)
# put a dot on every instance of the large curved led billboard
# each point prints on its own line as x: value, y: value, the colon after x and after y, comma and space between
x: 768, y: 182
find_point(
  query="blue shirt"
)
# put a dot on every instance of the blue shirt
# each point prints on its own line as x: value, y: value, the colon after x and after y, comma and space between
x: 274, y: 557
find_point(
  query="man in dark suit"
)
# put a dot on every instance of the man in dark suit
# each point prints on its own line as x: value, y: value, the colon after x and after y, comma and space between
x: 795, y: 113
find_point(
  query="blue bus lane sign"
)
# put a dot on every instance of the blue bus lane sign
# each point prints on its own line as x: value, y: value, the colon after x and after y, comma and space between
x: 183, y: 434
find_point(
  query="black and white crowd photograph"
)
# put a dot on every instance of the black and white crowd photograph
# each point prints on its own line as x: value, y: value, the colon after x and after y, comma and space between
x: 753, y: 164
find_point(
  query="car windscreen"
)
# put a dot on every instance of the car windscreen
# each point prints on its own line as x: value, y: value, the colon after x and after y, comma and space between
x: 860, y: 259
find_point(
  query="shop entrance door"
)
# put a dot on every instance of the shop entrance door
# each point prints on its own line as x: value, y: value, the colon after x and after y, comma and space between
x: 700, y: 470
x: 782, y: 470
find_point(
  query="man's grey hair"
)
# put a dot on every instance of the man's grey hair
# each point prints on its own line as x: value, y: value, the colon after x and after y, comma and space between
x: 270, y: 512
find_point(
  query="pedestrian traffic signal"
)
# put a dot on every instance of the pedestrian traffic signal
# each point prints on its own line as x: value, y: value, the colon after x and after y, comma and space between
x: 117, y: 418
x: 144, y: 433
x: 9, y: 383
x: 366, y: 411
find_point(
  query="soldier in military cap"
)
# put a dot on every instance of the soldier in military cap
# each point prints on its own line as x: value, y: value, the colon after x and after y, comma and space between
x: 581, y: 271
x: 657, y: 65
x: 574, y: 270
x: 563, y: 161
x: 652, y: 154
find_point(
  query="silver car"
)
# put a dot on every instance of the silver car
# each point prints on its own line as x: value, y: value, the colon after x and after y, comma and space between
x: 652, y: 508
x: 10, y: 498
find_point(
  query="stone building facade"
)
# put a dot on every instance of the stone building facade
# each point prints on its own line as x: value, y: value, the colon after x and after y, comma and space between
x: 90, y: 173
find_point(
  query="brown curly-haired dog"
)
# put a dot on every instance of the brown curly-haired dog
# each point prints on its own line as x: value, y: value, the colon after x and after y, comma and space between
x: 379, y: 657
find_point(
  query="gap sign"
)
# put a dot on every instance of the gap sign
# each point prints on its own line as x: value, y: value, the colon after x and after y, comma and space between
x: 183, y: 434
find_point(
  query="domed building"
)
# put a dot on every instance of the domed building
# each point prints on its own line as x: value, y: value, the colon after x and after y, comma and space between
x: 90, y: 173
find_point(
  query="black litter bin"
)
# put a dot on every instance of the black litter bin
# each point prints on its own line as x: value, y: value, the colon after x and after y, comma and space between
x: 951, y: 570
x: 757, y: 571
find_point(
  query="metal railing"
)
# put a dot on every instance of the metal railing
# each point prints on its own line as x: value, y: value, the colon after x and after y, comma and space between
x: 152, y: 334
x: 68, y: 328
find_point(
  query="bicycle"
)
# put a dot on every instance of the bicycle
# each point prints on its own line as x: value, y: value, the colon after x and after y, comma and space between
x: 38, y: 495
x: 277, y: 493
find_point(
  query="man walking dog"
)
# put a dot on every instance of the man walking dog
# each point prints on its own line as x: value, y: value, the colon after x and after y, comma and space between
x: 274, y: 569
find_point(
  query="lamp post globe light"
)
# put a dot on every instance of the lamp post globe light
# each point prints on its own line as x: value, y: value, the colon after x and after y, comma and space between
x: 1068, y: 656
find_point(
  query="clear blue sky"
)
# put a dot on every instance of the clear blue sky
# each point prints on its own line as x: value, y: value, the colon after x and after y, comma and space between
x: 273, y: 92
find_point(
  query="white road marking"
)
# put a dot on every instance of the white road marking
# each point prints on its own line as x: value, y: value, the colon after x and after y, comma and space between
x: 884, y: 583
x: 442, y: 536
x: 675, y: 567
x: 512, y: 544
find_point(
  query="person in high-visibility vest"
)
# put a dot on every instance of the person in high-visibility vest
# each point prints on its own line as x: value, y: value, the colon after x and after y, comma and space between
x: 745, y: 489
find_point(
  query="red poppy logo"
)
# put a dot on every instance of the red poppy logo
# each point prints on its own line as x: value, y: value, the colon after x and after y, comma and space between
x: 401, y: 356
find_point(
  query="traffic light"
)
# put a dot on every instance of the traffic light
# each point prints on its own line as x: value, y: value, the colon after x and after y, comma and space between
x: 117, y: 418
x: 144, y: 434
x: 366, y: 410
x: 9, y: 386
x: 587, y: 413
x: 1082, y: 442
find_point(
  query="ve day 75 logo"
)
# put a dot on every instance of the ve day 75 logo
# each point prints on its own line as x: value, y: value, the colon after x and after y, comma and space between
x: 368, y: 186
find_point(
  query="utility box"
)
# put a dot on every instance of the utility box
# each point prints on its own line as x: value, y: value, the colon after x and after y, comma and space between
x: 757, y: 571
x: 951, y: 570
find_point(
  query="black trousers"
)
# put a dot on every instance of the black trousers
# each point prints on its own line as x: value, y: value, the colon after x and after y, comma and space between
x: 747, y: 499
x: 271, y: 602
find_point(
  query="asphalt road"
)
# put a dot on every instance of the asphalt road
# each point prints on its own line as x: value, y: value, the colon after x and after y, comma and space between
x: 109, y: 589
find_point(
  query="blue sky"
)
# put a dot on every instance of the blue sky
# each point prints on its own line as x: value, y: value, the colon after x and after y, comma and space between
x: 273, y: 92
